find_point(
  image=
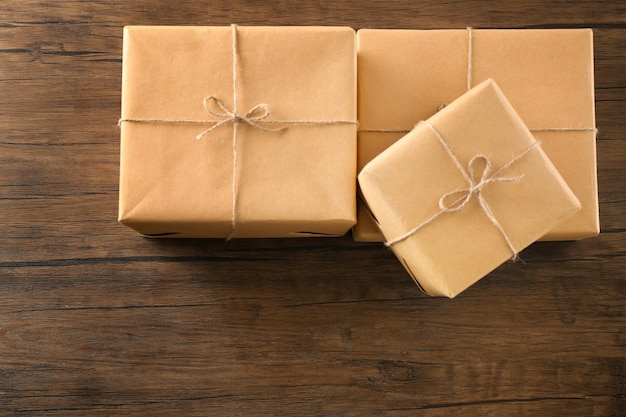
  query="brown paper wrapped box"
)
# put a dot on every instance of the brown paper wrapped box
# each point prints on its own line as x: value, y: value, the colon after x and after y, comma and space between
x: 464, y: 191
x: 406, y: 75
x: 238, y: 131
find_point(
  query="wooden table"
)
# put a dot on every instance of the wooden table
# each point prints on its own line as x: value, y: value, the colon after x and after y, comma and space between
x: 95, y: 320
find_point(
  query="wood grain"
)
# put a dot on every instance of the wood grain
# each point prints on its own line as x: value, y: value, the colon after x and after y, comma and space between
x: 95, y: 320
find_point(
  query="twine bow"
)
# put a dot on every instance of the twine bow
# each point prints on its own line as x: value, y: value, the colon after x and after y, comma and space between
x: 457, y: 200
x: 251, y: 117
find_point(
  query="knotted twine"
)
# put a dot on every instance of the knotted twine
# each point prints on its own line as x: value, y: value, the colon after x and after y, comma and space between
x: 253, y: 117
x: 458, y: 199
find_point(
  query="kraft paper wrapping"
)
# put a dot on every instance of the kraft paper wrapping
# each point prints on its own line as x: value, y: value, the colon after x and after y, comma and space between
x: 296, y: 181
x: 406, y: 75
x: 404, y: 184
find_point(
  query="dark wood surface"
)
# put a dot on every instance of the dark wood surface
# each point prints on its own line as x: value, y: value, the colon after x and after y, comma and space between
x: 95, y: 320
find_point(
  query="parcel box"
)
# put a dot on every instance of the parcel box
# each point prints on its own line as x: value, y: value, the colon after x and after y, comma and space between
x: 464, y: 191
x: 408, y: 75
x: 238, y: 131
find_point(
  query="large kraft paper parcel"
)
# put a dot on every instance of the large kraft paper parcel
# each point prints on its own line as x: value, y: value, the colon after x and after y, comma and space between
x: 464, y: 191
x: 238, y: 131
x: 407, y: 75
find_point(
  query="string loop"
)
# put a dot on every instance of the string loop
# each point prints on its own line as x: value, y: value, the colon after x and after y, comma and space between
x: 252, y: 117
x: 457, y: 200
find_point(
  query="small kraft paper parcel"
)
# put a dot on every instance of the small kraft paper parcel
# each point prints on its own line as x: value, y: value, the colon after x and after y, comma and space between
x: 408, y: 75
x: 238, y: 131
x: 465, y: 191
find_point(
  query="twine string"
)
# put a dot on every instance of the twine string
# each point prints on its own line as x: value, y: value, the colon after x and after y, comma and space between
x: 470, y: 56
x: 235, y: 119
x: 251, y: 117
x: 459, y: 198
